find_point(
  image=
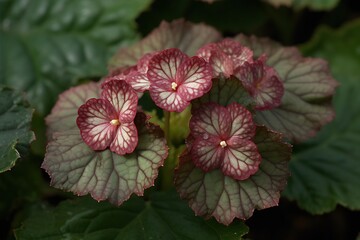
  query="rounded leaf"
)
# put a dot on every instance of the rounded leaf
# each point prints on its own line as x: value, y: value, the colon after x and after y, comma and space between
x: 242, y: 123
x: 94, y: 122
x: 207, y: 153
x: 212, y: 194
x: 126, y: 139
x: 187, y: 37
x: 122, y: 97
x: 194, y: 78
x: 308, y: 84
x: 74, y: 166
x: 241, y: 158
x: 64, y: 113
x: 211, y: 119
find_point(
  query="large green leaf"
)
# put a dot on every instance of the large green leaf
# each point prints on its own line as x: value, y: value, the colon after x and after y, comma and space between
x: 305, y: 106
x: 180, y: 34
x: 326, y: 170
x: 212, y: 194
x: 164, y: 216
x: 23, y: 184
x: 74, y: 166
x: 46, y: 46
x: 15, y: 134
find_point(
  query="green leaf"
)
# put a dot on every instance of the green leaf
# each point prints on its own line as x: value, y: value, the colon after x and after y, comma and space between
x: 164, y: 216
x: 326, y: 170
x: 74, y: 166
x: 225, y: 91
x: 315, y: 4
x: 46, y: 46
x: 212, y: 194
x: 186, y: 36
x: 15, y: 134
x: 309, y: 86
x: 23, y: 184
x: 64, y: 113
x: 312, y: 4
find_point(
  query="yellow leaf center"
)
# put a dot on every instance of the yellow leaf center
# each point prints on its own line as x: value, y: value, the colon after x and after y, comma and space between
x: 115, y: 122
x: 223, y: 144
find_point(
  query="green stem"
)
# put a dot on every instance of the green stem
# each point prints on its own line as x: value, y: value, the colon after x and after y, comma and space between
x: 167, y: 126
x: 167, y: 171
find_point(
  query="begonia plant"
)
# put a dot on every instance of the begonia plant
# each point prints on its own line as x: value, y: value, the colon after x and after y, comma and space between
x: 239, y: 104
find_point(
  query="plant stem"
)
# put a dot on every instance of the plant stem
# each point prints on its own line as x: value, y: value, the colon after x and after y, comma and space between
x: 167, y: 174
x: 167, y: 126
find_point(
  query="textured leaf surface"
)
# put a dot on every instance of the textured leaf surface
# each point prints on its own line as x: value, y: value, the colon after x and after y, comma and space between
x: 176, y: 79
x: 64, y: 113
x: 164, y: 216
x: 15, y: 134
x: 308, y: 88
x: 54, y: 43
x: 74, y: 166
x: 186, y: 36
x: 224, y: 92
x: 325, y: 171
x: 214, y: 195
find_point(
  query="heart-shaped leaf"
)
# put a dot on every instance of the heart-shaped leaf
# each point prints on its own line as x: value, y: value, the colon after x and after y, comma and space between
x: 211, y: 194
x: 15, y: 134
x: 164, y: 216
x: 179, y: 34
x: 326, y: 170
x: 308, y: 86
x: 54, y: 43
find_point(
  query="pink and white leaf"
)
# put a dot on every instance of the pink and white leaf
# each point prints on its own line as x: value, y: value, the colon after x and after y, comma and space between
x: 167, y: 99
x: 123, y: 98
x: 211, y: 119
x: 74, y: 166
x: 125, y: 140
x: 163, y: 66
x: 263, y: 84
x: 242, y: 121
x: 241, y: 159
x: 237, y: 53
x: 138, y: 81
x: 308, y: 84
x: 213, y: 194
x: 194, y: 78
x: 221, y: 64
x: 94, y: 123
x: 206, y: 153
